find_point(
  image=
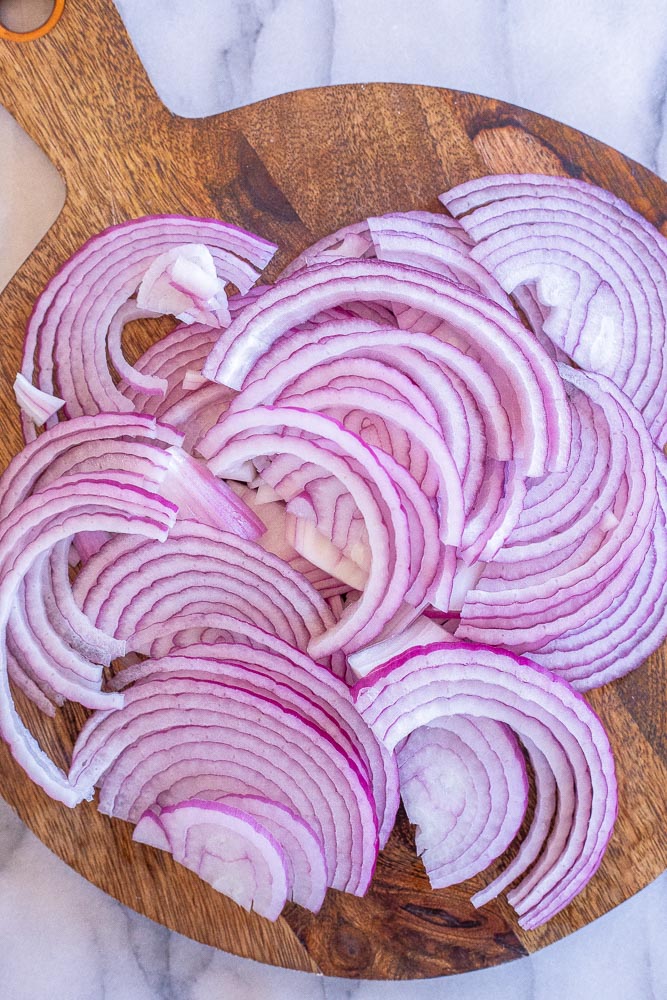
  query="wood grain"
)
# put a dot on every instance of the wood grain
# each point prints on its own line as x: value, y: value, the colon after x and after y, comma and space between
x: 294, y: 168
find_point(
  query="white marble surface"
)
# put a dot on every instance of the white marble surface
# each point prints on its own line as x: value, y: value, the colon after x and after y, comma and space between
x: 600, y: 66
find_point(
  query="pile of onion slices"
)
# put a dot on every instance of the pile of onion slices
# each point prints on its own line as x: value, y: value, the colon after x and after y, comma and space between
x: 360, y: 535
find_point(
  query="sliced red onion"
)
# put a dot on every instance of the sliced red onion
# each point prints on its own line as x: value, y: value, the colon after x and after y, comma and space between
x: 229, y: 849
x: 35, y: 525
x: 178, y: 709
x: 353, y: 241
x: 118, y: 446
x: 527, y: 604
x: 53, y: 664
x: 304, y: 858
x: 356, y: 240
x: 464, y: 785
x: 286, y: 675
x: 38, y: 406
x: 550, y: 800
x: 46, y: 701
x: 92, y: 433
x: 438, y: 249
x: 520, y: 366
x: 418, y: 356
x: 358, y: 388
x: 616, y: 641
x: 608, y: 234
x: 167, y: 361
x: 183, y: 282
x: 421, y: 437
x: 374, y: 493
x: 149, y: 830
x: 421, y: 632
x: 128, y: 587
x: 66, y: 616
x: 309, y: 542
x: 201, y: 496
x: 150, y: 386
x: 492, y: 503
x: 67, y: 332
x: 449, y: 679
x: 87, y: 544
x: 564, y: 507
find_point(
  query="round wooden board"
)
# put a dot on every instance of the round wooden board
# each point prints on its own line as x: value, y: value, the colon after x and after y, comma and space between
x: 293, y: 168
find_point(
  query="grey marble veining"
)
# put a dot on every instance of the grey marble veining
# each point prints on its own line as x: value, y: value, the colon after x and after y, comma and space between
x: 63, y: 939
x: 600, y: 66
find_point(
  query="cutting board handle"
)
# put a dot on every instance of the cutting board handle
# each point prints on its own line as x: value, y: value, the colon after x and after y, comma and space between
x: 82, y: 94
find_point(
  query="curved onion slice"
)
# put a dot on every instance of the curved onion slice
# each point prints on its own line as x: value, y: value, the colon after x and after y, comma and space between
x: 174, y: 711
x: 618, y: 640
x: 424, y: 244
x: 526, y: 604
x: 304, y: 858
x: 38, y: 632
x: 519, y: 365
x: 128, y: 587
x: 470, y: 411
x: 290, y: 677
x: 248, y: 434
x: 421, y: 457
x: 410, y: 353
x: 610, y: 245
x: 228, y: 848
x: 352, y: 241
x: 448, y: 679
x: 140, y: 450
x: 464, y: 785
x: 94, y: 433
x: 67, y: 333
x: 37, y: 524
x: 37, y: 406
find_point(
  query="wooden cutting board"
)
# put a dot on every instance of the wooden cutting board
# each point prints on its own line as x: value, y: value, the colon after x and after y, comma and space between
x: 292, y: 169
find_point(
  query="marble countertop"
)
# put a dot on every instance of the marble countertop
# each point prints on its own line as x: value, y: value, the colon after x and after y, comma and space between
x: 599, y: 65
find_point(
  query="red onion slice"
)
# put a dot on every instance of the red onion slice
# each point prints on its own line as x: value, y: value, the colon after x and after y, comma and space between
x: 519, y: 364
x: 409, y: 353
x: 37, y: 524
x: 172, y: 708
x: 37, y: 406
x: 36, y: 458
x: 455, y: 678
x: 128, y: 587
x: 464, y: 785
x: 304, y: 859
x: 89, y: 289
x: 201, y: 496
x: 284, y: 536
x: 601, y: 222
x: 294, y: 680
x: 230, y: 850
x: 169, y: 362
x: 536, y: 602
x: 353, y: 241
x: 227, y: 445
x: 616, y: 641
x: 438, y: 249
